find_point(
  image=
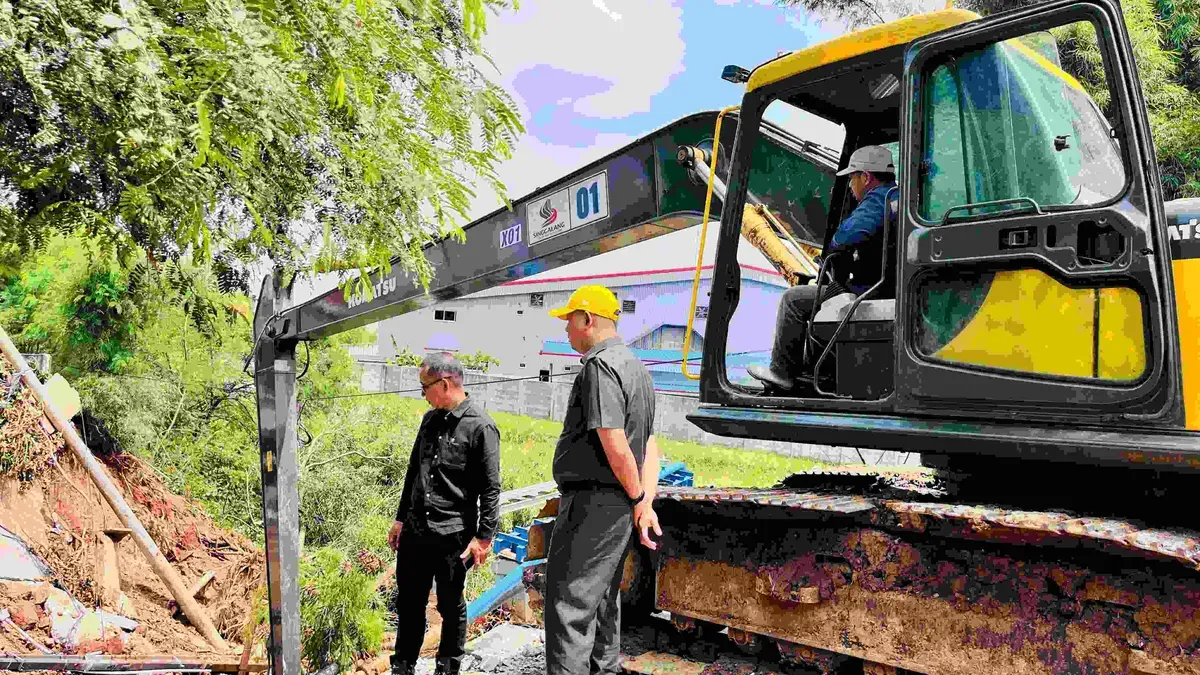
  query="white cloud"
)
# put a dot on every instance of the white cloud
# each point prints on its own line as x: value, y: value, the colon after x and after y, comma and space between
x: 600, y: 5
x: 635, y: 44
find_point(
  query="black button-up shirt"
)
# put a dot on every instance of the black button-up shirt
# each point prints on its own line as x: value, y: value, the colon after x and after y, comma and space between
x: 613, y: 390
x: 453, y: 478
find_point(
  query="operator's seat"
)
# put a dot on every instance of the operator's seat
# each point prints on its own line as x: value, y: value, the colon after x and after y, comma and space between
x: 861, y: 347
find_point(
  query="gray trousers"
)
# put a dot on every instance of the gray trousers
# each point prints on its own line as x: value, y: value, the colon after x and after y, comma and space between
x: 592, y: 533
x: 791, y: 327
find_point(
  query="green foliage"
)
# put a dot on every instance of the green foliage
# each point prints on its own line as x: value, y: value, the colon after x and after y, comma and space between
x: 100, y: 319
x: 337, y: 501
x: 178, y: 397
x: 1174, y: 109
x: 19, y: 302
x: 1181, y: 35
x: 478, y: 361
x: 234, y: 126
x: 339, y: 610
x: 404, y: 357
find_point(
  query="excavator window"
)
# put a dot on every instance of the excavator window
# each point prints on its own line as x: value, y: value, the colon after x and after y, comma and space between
x: 1013, y: 129
x: 1011, y: 121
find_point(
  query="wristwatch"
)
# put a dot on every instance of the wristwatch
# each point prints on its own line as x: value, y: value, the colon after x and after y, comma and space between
x: 638, y: 499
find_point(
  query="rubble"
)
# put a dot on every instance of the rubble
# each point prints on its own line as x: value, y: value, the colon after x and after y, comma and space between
x: 504, y: 650
x: 68, y: 582
x: 24, y: 614
x: 504, y: 644
x: 18, y: 562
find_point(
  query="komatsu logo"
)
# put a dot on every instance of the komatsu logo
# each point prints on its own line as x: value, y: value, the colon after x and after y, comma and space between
x: 385, y: 287
x: 1184, y: 231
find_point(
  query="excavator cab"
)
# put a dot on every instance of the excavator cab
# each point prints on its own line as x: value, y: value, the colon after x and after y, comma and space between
x: 1024, y: 275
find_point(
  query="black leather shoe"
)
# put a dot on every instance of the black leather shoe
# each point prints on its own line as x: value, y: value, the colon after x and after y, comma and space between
x: 447, y: 666
x: 403, y: 668
x: 772, y: 379
x: 781, y: 385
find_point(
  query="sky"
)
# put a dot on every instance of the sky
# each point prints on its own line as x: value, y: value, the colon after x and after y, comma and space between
x: 590, y: 76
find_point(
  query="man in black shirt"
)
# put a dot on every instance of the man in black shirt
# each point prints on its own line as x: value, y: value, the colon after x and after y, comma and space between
x: 447, y: 515
x: 606, y: 468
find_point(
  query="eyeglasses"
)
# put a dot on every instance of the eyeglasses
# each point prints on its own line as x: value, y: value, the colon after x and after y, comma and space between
x: 425, y: 387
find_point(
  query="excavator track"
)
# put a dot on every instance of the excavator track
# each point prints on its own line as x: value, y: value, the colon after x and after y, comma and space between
x: 860, y: 571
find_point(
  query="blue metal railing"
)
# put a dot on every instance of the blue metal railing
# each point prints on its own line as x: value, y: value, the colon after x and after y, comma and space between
x: 508, y: 585
x: 674, y: 474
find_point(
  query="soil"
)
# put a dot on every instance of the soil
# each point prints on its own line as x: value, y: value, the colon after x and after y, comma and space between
x: 55, y: 507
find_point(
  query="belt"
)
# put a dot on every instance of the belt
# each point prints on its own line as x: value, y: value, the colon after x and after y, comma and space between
x: 590, y: 486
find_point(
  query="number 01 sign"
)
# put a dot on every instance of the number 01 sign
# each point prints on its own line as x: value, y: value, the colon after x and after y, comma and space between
x: 560, y: 212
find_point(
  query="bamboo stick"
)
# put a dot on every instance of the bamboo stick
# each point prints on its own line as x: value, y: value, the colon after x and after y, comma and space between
x: 192, y: 609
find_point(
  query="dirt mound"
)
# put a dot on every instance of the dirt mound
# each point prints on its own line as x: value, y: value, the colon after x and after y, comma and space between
x: 49, y: 501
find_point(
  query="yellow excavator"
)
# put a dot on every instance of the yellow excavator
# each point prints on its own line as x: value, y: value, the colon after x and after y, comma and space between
x: 1031, y: 328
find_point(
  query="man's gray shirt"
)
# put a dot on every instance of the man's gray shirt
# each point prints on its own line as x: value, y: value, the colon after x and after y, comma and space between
x: 612, y: 391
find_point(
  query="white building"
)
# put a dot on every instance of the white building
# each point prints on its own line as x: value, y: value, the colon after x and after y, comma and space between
x: 653, y: 280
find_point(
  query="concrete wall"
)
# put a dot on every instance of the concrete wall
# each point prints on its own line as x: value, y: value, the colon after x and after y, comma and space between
x: 548, y: 400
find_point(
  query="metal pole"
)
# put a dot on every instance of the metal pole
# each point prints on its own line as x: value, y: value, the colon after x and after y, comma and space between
x: 275, y: 380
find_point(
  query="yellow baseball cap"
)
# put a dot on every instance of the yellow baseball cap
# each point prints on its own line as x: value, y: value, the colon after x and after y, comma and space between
x: 595, y: 299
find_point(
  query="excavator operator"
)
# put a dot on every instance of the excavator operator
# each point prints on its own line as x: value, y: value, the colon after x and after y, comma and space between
x: 872, y: 173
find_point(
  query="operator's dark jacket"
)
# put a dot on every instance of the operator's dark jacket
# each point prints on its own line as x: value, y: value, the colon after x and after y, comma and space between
x: 455, y: 462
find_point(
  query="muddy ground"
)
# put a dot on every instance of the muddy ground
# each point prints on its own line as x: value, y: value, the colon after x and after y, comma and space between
x: 48, y: 500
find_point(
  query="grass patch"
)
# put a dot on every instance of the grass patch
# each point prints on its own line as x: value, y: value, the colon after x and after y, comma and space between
x: 722, y: 466
x: 527, y: 450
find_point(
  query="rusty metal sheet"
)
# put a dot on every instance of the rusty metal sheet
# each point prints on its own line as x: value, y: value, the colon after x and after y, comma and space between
x: 1003, y: 524
x: 784, y: 498
x: 983, y: 614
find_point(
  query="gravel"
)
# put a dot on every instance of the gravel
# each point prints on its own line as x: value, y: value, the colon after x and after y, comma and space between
x: 504, y: 650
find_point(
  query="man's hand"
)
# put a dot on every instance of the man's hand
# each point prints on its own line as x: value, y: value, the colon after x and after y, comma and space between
x: 645, y: 519
x: 478, y: 548
x: 394, y: 535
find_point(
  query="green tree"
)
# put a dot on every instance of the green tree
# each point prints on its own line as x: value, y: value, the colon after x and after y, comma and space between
x: 318, y: 135
x: 1166, y: 44
x: 478, y: 361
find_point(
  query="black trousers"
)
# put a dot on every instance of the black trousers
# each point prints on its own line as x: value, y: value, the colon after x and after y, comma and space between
x: 422, y: 557
x: 791, y: 327
x: 592, y: 533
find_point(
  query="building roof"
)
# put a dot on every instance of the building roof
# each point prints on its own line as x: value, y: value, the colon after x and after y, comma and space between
x: 668, y: 257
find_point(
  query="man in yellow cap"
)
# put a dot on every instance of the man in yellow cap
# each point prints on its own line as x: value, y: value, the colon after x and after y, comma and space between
x: 606, y: 468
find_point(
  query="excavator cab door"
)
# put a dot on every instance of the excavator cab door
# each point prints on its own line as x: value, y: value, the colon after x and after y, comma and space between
x: 1034, y: 282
